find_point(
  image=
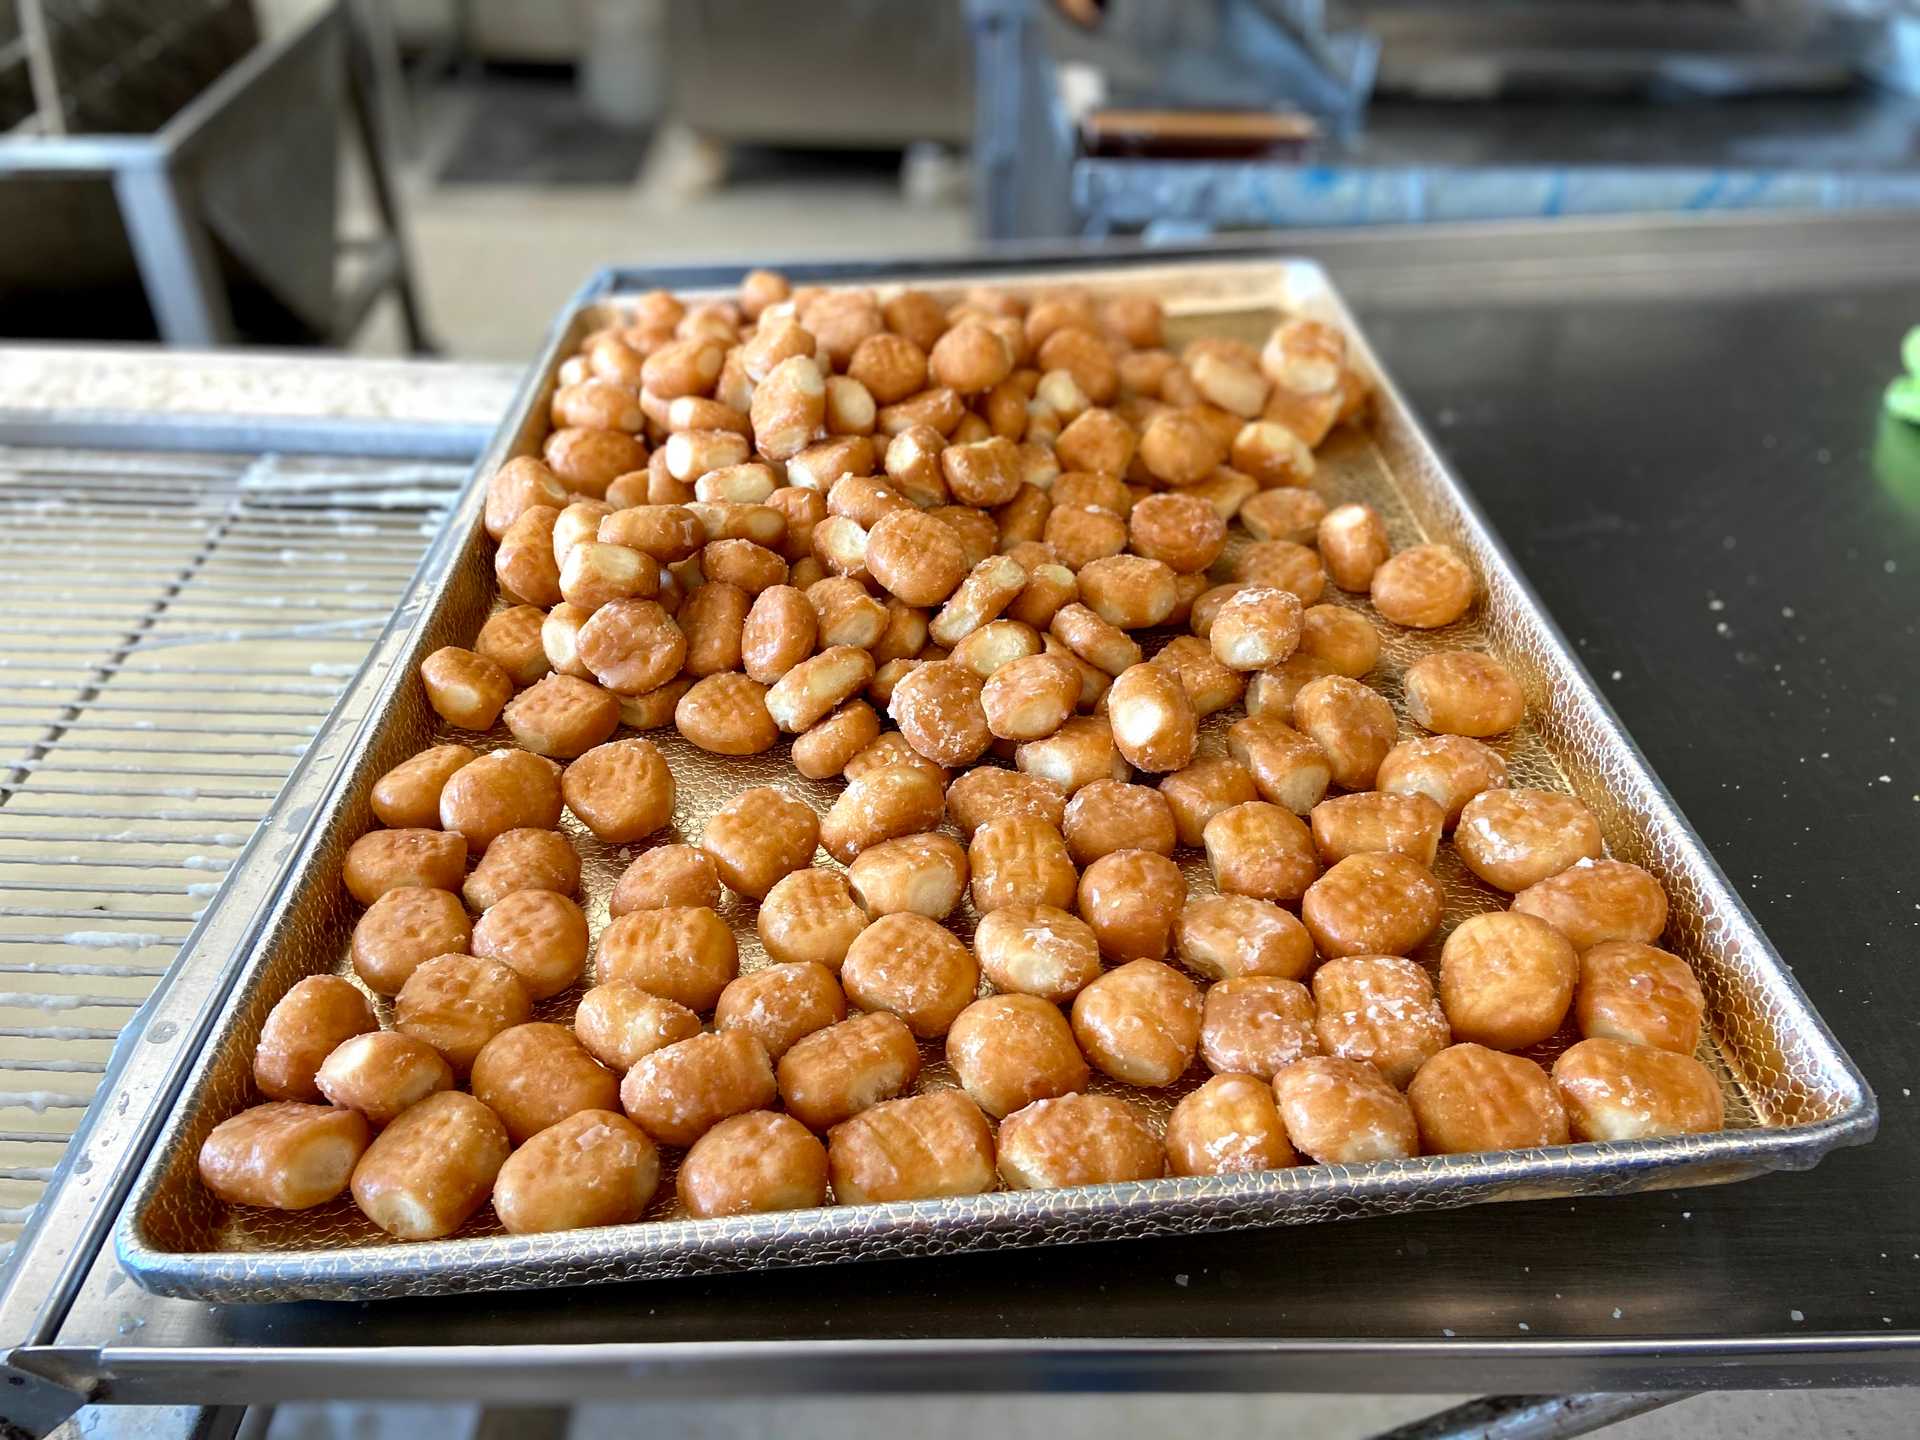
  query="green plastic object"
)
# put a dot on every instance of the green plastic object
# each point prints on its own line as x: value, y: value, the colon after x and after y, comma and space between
x: 1910, y: 351
x: 1903, y: 398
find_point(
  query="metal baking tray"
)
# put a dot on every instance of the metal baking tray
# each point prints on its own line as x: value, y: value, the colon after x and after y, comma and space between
x: 1792, y: 1093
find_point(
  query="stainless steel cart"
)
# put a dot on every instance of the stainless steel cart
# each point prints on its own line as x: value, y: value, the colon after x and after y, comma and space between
x: 1522, y: 346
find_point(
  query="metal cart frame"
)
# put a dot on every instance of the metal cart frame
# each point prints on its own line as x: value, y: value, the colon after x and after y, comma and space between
x: 166, y: 220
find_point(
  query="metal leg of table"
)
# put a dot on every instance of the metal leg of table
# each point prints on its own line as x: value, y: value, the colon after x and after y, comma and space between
x: 363, y: 102
x: 176, y: 257
x: 1530, y: 1417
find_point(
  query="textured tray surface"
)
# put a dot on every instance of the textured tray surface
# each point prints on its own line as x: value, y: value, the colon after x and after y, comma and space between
x: 1791, y: 1095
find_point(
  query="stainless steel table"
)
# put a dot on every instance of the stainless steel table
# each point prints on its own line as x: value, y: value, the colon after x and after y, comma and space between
x: 1676, y: 425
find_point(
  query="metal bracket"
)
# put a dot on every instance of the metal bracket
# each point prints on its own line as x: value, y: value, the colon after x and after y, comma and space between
x: 32, y: 1406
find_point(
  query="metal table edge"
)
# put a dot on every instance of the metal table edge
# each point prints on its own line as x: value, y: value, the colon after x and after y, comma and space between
x: 130, y: 1374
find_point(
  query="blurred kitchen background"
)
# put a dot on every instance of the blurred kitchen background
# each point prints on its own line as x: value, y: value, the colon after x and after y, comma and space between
x: 393, y: 175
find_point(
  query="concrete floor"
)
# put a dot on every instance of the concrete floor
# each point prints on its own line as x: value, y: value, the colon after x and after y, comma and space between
x: 495, y: 265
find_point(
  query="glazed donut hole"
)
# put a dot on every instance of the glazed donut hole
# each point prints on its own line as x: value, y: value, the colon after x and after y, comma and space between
x: 1375, y: 821
x: 1085, y: 356
x: 402, y: 930
x: 1039, y: 950
x: 916, y: 557
x: 810, y: 690
x: 315, y: 1016
x: 541, y: 935
x: 384, y: 860
x: 524, y: 565
x: 1469, y: 1099
x: 465, y: 689
x: 759, y: 836
x: 979, y: 536
x: 1094, y: 682
x: 998, y: 643
x: 1373, y: 904
x: 836, y: 1072
x: 1152, y: 722
x: 1255, y: 628
x: 781, y: 1004
x: 1516, y: 838
x: 1613, y: 1090
x: 937, y: 706
x: 1273, y: 456
x: 380, y: 1073
x: 1079, y: 752
x: 878, y: 806
x: 457, y: 1003
x: 408, y: 795
x: 1092, y: 490
x: 1345, y: 640
x: 1284, y: 514
x: 753, y: 1164
x: 1282, y: 565
x: 1020, y: 860
x: 1261, y: 850
x: 1180, y: 531
x: 1009, y: 1050
x: 1139, y: 1023
x: 500, y: 791
x: 520, y: 485
x: 622, y: 791
x: 619, y: 1023
x: 824, y: 750
x: 1272, y: 692
x: 892, y: 749
x: 536, y: 1075
x: 1423, y: 588
x: 686, y: 954
x: 1129, y: 592
x: 1343, y: 1112
x: 1095, y: 441
x: 1078, y: 1140
x: 511, y: 639
x: 1029, y: 697
x: 1449, y: 770
x: 903, y: 636
x: 970, y: 359
x: 921, y: 1147
x: 924, y: 874
x: 989, y: 793
x: 1641, y: 995
x: 1463, y: 692
x: 1379, y: 1009
x: 1110, y: 815
x: 1201, y: 790
x: 1506, y: 980
x: 432, y: 1168
x: 1210, y: 686
x: 1081, y: 534
x: 1288, y: 768
x: 911, y: 967
x: 1256, y: 1025
x: 988, y: 589
x: 681, y: 1091
x: 1353, y: 544
x: 1596, y: 901
x: 1228, y: 1126
x: 809, y: 917
x: 1179, y: 449
x: 1353, y: 725
x: 779, y: 631
x: 714, y: 618
x: 1206, y: 605
x: 523, y: 860
x: 1130, y: 898
x: 1095, y: 640
x: 726, y: 715
x: 630, y: 646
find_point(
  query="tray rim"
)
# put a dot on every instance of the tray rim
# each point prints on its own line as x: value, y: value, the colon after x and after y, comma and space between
x: 446, y: 1267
